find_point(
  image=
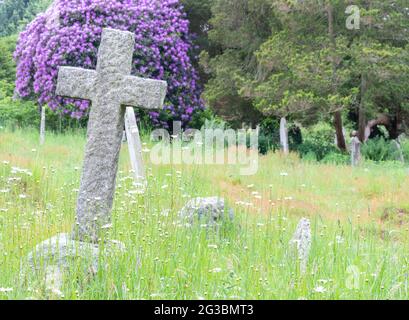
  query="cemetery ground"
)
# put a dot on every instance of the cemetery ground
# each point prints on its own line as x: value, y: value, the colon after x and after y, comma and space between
x: 359, y: 221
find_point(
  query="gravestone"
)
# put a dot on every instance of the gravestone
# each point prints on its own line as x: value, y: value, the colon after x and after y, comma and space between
x: 134, y: 145
x: 355, y: 150
x: 302, y: 242
x: 284, y: 136
x: 209, y: 211
x: 109, y: 88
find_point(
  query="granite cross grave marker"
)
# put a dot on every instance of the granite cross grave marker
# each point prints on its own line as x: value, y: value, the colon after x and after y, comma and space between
x: 109, y: 88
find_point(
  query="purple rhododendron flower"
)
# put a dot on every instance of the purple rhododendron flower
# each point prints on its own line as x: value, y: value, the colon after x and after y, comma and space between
x: 69, y: 33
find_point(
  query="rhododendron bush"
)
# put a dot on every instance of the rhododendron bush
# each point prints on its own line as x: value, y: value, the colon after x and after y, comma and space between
x: 69, y: 33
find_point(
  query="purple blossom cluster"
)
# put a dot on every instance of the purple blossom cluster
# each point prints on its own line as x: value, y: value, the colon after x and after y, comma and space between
x: 69, y: 33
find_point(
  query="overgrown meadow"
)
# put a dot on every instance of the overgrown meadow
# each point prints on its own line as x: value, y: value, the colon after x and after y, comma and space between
x: 359, y: 216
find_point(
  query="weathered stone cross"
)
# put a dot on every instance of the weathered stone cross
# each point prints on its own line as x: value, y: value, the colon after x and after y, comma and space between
x: 110, y: 87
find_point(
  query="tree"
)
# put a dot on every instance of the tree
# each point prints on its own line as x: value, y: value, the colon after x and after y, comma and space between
x: 303, y: 67
x: 7, y: 65
x: 15, y: 14
x: 69, y: 34
x: 237, y: 28
x: 380, y: 61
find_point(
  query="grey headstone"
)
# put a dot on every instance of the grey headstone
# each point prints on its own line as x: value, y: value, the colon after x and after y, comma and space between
x: 110, y: 88
x: 210, y: 211
x: 302, y: 242
x: 284, y: 136
x: 355, y: 151
x: 134, y: 145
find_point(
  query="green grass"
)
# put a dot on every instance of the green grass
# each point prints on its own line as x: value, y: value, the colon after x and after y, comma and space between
x: 250, y: 259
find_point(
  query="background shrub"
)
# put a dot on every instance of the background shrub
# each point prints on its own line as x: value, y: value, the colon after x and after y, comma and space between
x: 318, y: 140
x: 380, y: 149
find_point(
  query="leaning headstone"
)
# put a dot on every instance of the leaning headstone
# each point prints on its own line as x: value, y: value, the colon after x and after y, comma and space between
x: 207, y: 211
x: 284, y: 136
x: 110, y: 87
x: 134, y: 145
x: 302, y: 242
x: 355, y: 150
x: 42, y: 126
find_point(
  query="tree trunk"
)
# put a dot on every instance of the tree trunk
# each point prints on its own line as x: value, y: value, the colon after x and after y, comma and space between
x: 362, y: 130
x: 382, y: 120
x: 340, y: 131
x: 337, y: 115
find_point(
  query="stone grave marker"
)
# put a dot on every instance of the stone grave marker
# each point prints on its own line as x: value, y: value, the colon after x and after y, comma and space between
x: 355, y: 150
x: 134, y: 145
x: 284, y: 136
x: 109, y: 88
x: 302, y: 242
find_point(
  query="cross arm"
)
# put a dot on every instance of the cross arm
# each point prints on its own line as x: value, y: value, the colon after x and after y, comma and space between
x: 145, y: 93
x: 76, y: 83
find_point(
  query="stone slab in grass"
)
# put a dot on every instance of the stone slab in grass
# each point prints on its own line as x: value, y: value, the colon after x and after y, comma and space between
x: 63, y: 252
x: 210, y: 211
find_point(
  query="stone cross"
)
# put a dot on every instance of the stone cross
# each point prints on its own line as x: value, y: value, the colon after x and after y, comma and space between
x: 284, y: 136
x: 355, y: 150
x: 109, y: 88
x: 134, y: 145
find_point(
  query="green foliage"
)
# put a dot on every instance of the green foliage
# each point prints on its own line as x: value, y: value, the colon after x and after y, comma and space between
x: 405, y: 149
x: 15, y: 14
x: 237, y: 28
x: 337, y: 158
x: 380, y: 149
x: 25, y: 114
x: 18, y: 113
x: 200, y: 118
x: 318, y: 140
x: 7, y: 65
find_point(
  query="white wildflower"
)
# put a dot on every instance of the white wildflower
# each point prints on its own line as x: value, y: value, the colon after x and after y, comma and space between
x: 320, y: 289
x: 339, y: 239
x: 6, y: 290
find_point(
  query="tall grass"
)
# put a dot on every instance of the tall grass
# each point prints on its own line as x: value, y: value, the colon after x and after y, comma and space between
x: 356, y: 252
